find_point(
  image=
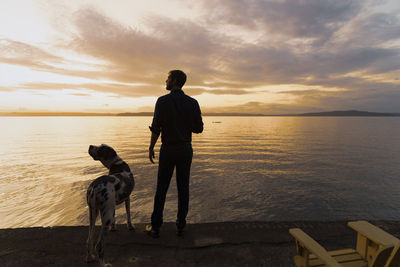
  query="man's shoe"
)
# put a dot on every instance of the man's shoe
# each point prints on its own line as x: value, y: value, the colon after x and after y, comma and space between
x: 153, y: 232
x: 179, y: 232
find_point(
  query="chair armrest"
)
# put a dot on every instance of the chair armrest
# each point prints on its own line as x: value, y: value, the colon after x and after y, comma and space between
x: 373, y: 233
x: 311, y: 245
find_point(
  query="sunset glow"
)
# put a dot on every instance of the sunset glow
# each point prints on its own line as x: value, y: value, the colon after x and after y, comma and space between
x: 270, y: 57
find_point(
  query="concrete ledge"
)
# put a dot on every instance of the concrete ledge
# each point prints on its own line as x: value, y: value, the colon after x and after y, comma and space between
x: 208, y: 244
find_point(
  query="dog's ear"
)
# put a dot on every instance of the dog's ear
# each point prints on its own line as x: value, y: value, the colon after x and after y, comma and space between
x: 111, y: 154
x: 108, y: 153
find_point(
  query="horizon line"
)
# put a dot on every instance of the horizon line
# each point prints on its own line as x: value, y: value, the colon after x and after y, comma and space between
x: 137, y: 114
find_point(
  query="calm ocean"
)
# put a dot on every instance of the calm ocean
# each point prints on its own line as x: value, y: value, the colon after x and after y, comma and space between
x: 244, y: 169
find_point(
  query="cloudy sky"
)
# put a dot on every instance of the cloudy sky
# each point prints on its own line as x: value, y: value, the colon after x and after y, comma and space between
x: 256, y: 56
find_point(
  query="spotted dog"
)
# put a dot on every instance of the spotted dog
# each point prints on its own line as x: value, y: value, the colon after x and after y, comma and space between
x: 103, y: 194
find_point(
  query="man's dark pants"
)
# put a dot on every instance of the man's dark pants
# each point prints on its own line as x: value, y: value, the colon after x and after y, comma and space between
x: 179, y: 156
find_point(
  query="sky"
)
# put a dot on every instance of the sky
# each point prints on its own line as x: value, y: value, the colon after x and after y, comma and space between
x: 246, y: 56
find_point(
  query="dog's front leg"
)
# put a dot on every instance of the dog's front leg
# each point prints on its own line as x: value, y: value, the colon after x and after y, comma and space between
x: 128, y: 214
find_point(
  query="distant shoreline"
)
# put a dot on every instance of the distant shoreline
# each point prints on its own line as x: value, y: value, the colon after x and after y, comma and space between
x: 346, y: 113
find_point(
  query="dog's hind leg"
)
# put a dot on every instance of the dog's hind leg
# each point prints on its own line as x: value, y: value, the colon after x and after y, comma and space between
x: 107, y: 218
x: 128, y: 215
x: 93, y: 212
x: 112, y: 229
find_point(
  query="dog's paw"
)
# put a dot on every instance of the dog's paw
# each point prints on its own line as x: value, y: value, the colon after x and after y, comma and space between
x: 131, y: 227
x: 90, y: 258
x: 103, y: 264
x: 113, y: 229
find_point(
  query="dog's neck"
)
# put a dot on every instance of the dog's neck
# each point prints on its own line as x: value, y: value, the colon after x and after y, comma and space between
x: 109, y: 163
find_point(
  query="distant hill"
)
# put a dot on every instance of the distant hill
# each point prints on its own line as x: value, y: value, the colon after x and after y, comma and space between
x: 233, y: 114
x: 355, y: 113
x: 53, y: 114
x: 350, y: 113
x: 204, y: 114
x: 137, y: 114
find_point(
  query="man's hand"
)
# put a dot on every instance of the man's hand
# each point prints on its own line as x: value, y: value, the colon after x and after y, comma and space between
x: 153, y: 141
x: 151, y: 155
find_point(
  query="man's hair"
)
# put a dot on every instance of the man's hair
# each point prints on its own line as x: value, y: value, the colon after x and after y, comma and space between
x: 179, y: 76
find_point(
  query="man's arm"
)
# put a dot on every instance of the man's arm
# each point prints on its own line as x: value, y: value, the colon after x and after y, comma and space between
x: 155, y: 129
x: 197, y: 126
x: 153, y: 141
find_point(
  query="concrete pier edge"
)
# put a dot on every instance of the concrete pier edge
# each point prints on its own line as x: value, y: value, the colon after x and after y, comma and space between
x: 204, y: 244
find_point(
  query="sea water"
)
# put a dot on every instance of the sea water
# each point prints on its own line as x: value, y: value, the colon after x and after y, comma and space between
x: 244, y: 169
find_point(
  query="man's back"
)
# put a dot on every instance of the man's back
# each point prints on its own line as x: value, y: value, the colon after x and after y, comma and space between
x: 176, y: 116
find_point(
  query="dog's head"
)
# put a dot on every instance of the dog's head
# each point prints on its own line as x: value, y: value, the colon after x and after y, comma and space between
x: 103, y: 152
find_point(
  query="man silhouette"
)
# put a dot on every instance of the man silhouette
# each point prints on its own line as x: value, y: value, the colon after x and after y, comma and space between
x: 176, y: 117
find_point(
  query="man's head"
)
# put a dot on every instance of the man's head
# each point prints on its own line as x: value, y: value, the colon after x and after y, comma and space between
x: 176, y: 79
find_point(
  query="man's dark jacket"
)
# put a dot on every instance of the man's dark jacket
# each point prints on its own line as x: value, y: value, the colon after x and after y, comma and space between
x: 176, y: 116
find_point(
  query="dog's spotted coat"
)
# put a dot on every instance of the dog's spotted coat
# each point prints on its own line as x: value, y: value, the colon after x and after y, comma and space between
x: 104, y: 194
